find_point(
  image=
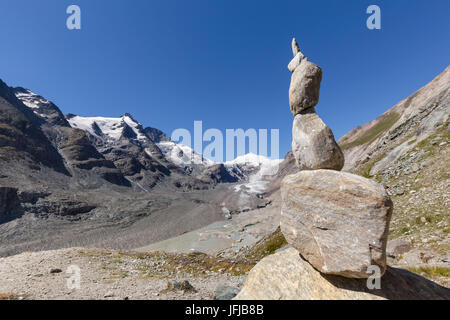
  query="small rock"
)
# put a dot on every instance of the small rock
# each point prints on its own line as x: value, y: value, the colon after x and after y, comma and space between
x: 296, y: 62
x: 109, y: 294
x: 183, y: 286
x: 435, y: 140
x: 224, y: 292
x: 55, y: 270
x: 398, y: 246
x: 425, y: 257
x: 295, y: 47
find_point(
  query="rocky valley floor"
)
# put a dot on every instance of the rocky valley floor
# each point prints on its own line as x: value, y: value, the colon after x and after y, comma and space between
x: 117, y: 275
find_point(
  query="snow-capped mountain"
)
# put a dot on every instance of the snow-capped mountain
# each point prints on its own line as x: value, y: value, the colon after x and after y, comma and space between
x: 110, y: 180
x: 250, y: 167
x: 183, y: 155
x: 109, y: 128
x: 145, y: 156
x: 40, y: 106
x: 30, y: 99
x: 257, y: 170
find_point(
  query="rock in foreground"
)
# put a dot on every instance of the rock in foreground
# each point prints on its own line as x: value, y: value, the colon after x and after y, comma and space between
x: 338, y: 221
x: 286, y: 276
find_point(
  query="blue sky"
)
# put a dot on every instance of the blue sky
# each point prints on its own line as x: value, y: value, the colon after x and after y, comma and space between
x: 223, y: 62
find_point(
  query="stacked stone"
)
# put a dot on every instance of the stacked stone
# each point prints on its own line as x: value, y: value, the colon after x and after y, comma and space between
x: 313, y: 143
x: 338, y: 221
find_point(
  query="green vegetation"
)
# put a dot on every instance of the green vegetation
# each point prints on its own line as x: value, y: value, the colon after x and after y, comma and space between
x: 431, y: 271
x: 421, y: 213
x: 267, y: 246
x: 162, y: 264
x: 367, y: 137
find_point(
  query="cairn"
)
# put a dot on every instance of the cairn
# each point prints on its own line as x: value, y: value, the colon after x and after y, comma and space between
x: 338, y: 221
x: 313, y: 143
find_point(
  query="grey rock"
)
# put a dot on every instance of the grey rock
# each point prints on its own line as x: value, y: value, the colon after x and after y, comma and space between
x: 338, y: 221
x: 398, y: 246
x: 313, y: 144
x: 286, y: 276
x: 217, y: 173
x: 295, y: 47
x: 305, y: 87
x: 224, y: 292
x: 109, y: 294
x: 436, y: 140
x: 9, y: 202
x: 55, y: 270
x: 296, y: 62
x: 183, y: 286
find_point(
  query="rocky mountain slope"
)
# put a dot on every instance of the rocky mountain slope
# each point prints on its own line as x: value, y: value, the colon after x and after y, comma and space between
x: 407, y: 150
x: 72, y: 180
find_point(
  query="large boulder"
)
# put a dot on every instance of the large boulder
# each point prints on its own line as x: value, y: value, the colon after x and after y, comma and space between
x: 313, y: 143
x: 337, y: 220
x: 305, y: 86
x: 286, y: 276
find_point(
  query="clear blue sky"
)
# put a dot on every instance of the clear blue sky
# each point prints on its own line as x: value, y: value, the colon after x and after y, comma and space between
x: 222, y: 61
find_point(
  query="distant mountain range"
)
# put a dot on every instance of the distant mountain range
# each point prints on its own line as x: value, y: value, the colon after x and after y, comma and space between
x: 75, y: 172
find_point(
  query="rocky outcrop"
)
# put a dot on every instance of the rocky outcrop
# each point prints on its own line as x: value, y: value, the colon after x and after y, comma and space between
x: 313, y: 143
x: 217, y: 173
x: 21, y: 138
x: 9, y: 202
x: 338, y: 221
x: 397, y: 247
x: 287, y: 276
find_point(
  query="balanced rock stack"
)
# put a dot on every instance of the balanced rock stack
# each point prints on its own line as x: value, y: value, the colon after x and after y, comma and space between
x: 337, y: 221
x: 313, y: 143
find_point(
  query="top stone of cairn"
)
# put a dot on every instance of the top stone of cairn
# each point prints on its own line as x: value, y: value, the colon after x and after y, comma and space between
x: 305, y: 82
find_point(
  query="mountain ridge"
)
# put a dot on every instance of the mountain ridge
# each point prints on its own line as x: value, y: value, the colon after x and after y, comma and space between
x: 58, y: 179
